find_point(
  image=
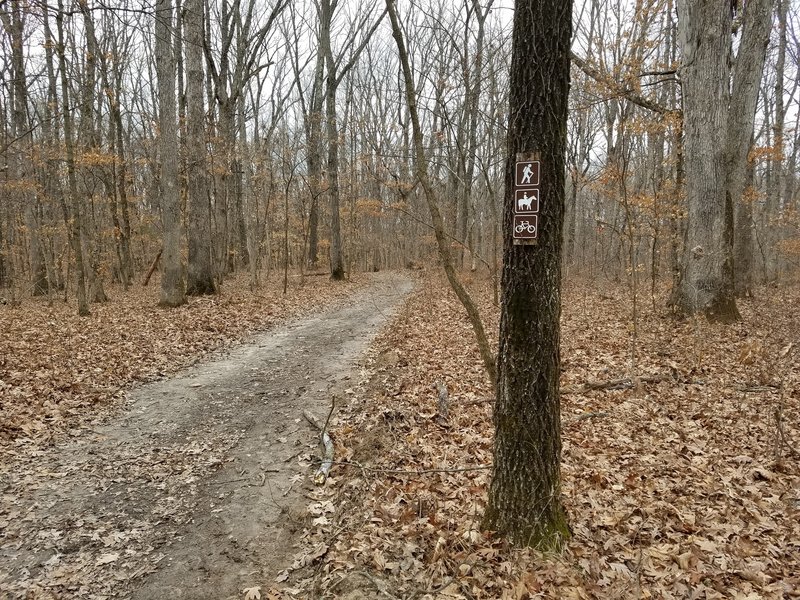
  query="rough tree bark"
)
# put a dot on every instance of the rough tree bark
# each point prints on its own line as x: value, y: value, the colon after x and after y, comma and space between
x: 326, y: 16
x: 314, y: 141
x: 200, y: 273
x: 747, y: 71
x: 524, y: 497
x: 172, y: 280
x: 706, y: 283
x: 773, y: 208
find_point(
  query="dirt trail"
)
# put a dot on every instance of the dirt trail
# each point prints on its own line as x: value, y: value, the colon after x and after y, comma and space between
x: 193, y: 490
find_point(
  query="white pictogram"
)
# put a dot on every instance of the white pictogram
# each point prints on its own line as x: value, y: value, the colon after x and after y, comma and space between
x: 525, y: 226
x: 526, y: 202
x: 527, y: 172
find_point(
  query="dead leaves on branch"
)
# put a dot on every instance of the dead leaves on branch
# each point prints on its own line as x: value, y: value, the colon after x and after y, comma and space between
x: 681, y: 487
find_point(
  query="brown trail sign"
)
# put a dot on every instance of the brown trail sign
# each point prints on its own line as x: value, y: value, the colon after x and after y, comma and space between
x: 526, y: 199
x: 525, y: 227
x: 527, y: 173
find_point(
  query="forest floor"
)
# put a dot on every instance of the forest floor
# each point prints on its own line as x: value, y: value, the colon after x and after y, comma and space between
x: 189, y: 486
x: 680, y: 472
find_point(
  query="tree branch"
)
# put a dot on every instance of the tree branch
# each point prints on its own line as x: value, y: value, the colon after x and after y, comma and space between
x: 617, y: 88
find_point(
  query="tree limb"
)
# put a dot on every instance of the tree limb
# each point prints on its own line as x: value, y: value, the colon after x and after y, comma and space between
x: 617, y: 88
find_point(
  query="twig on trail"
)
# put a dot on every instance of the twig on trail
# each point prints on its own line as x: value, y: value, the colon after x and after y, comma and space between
x: 289, y: 489
x: 322, y: 472
x: 280, y: 507
x: 380, y: 312
x: 227, y: 481
x: 293, y: 456
x: 330, y: 412
x: 758, y: 388
x: 263, y: 477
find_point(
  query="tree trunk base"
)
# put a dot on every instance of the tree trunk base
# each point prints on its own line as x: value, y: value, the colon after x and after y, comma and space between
x: 172, y: 302
x: 720, y: 308
x: 201, y: 287
x: 546, y: 535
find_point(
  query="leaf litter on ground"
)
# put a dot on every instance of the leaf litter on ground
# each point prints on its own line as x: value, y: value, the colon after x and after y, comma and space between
x: 677, y: 486
x: 58, y: 371
x: 61, y: 379
x: 681, y: 483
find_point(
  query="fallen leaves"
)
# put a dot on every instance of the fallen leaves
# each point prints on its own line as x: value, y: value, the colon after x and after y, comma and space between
x: 678, y: 486
x: 57, y: 370
x: 106, y: 559
x: 252, y: 593
x: 91, y: 514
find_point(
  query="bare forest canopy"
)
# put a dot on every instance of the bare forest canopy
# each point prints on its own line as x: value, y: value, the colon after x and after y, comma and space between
x: 264, y: 135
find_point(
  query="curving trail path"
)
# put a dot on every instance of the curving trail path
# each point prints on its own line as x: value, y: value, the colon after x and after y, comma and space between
x: 192, y: 490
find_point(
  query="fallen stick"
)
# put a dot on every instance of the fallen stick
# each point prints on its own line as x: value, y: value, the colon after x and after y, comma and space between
x: 327, y: 443
x: 152, y: 268
x: 358, y: 465
x: 757, y: 388
x: 617, y: 384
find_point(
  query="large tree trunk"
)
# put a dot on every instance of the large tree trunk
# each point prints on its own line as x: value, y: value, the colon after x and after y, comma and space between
x: 337, y: 261
x: 72, y: 207
x: 172, y: 280
x: 743, y: 246
x: 314, y: 141
x: 200, y: 273
x: 706, y: 283
x: 774, y: 208
x: 748, y: 68
x: 524, y: 498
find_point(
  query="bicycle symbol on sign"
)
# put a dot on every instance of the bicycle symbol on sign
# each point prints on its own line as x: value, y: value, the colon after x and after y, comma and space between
x: 525, y: 226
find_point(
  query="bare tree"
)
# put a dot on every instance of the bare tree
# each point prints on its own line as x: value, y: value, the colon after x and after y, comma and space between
x: 336, y: 69
x: 421, y: 172
x: 22, y: 133
x: 72, y: 210
x: 200, y: 267
x: 172, y: 280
